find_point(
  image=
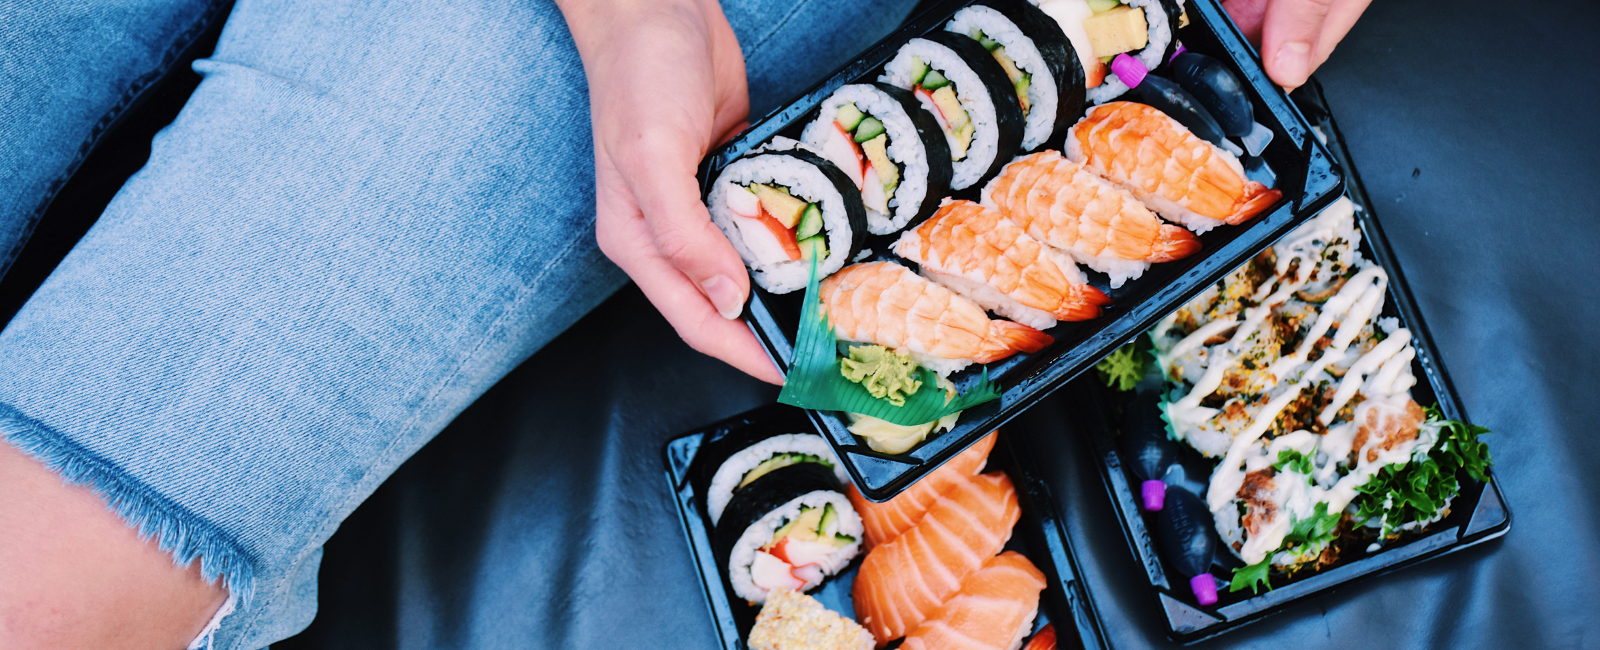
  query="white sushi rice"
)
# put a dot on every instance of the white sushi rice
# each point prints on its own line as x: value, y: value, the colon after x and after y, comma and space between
x: 736, y: 466
x: 804, y: 181
x: 1167, y: 208
x: 905, y: 148
x: 969, y: 89
x: 1042, y: 96
x: 1150, y: 56
x: 759, y: 534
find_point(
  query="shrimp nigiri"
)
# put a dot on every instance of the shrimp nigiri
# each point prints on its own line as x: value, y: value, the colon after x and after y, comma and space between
x: 889, y: 305
x: 990, y: 260
x: 993, y: 611
x: 904, y: 582
x: 1099, y: 224
x: 884, y: 522
x: 1183, y: 178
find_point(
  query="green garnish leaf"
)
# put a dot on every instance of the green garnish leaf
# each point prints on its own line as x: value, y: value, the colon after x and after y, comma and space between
x: 1402, y: 493
x: 1294, y: 461
x: 1254, y: 577
x: 1123, y: 368
x: 1314, y: 531
x: 816, y: 380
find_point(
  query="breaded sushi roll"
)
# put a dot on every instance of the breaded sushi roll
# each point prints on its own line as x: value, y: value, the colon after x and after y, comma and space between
x: 1039, y: 60
x: 782, y: 209
x: 1100, y: 30
x: 787, y: 524
x: 966, y: 90
x: 894, y: 151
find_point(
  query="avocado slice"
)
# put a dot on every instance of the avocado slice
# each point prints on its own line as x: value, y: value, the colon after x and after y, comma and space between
x: 849, y: 116
x: 918, y: 71
x: 813, y: 248
x: 780, y: 204
x: 1102, y: 6
x: 803, y: 527
x: 810, y: 223
x: 776, y: 462
x: 870, y: 128
x: 949, y: 107
x: 877, y: 153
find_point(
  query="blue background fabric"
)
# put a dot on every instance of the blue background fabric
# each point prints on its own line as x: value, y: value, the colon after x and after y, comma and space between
x: 540, y: 517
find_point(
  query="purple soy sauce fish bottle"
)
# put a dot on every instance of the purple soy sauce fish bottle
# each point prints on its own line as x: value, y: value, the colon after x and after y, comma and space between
x: 1145, y: 448
x: 1184, y: 533
x: 1218, y: 89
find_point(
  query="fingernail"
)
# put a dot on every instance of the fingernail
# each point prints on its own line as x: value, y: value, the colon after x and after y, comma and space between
x: 1294, y: 63
x: 724, y: 295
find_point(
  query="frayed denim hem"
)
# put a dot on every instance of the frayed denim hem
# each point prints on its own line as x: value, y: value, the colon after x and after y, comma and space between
x: 178, y: 532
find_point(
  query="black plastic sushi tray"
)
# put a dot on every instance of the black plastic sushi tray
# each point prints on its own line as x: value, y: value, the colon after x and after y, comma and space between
x: 1478, y: 514
x: 1295, y: 163
x: 692, y: 459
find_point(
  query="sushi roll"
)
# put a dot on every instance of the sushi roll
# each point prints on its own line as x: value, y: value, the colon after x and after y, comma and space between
x: 1100, y: 30
x: 781, y: 209
x: 1038, y: 59
x: 787, y: 524
x: 895, y: 152
x: 966, y: 90
x: 755, y: 461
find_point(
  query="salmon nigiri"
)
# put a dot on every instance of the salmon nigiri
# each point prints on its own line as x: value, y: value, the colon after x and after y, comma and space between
x: 889, y: 305
x: 886, y: 521
x: 904, y: 582
x: 1062, y: 204
x: 978, y: 253
x: 1183, y: 178
x: 993, y: 611
x: 1044, y: 640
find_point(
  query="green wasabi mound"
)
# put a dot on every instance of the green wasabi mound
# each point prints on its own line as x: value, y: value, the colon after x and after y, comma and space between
x: 886, y: 374
x: 1122, y: 369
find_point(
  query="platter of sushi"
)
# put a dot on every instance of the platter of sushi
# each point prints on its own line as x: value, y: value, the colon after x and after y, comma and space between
x: 1289, y: 429
x: 792, y: 556
x: 990, y: 200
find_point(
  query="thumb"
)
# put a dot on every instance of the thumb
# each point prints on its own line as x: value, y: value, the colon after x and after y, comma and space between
x: 1289, y: 34
x: 684, y: 235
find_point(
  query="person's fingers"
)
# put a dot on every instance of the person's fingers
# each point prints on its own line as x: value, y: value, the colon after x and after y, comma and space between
x: 1289, y: 33
x: 1340, y: 19
x: 628, y: 240
x: 1247, y: 14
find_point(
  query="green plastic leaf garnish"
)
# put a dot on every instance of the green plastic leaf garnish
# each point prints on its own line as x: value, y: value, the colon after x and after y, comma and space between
x: 815, y: 380
x: 1254, y: 577
x: 1123, y: 368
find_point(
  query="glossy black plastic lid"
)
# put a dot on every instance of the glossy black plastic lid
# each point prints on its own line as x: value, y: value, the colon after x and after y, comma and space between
x: 692, y: 459
x: 1295, y: 163
x: 1478, y: 514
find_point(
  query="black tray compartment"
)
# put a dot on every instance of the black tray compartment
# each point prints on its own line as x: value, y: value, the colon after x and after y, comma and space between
x: 1295, y: 162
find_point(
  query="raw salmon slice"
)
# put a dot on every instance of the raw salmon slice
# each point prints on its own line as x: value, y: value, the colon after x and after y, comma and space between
x: 993, y: 611
x: 886, y: 521
x: 904, y: 582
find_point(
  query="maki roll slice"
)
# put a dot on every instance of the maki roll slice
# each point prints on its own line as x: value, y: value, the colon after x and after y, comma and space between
x: 782, y: 209
x: 1038, y: 59
x: 1103, y: 31
x: 966, y: 90
x: 894, y: 151
x: 785, y: 522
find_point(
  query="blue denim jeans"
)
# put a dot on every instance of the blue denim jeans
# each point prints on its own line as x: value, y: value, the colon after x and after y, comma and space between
x: 366, y: 214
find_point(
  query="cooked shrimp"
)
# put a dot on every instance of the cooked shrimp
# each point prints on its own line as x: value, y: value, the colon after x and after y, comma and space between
x: 887, y: 304
x: 983, y: 256
x: 1062, y: 204
x: 1183, y: 178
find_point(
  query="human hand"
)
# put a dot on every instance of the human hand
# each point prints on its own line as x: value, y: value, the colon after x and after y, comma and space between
x: 666, y: 84
x: 1295, y: 36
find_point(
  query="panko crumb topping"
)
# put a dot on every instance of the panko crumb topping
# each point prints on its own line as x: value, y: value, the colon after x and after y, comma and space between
x: 794, y: 621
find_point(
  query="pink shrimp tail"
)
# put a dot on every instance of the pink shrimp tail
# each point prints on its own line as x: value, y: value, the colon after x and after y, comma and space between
x: 1257, y: 198
x: 1007, y: 338
x: 1173, y: 243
